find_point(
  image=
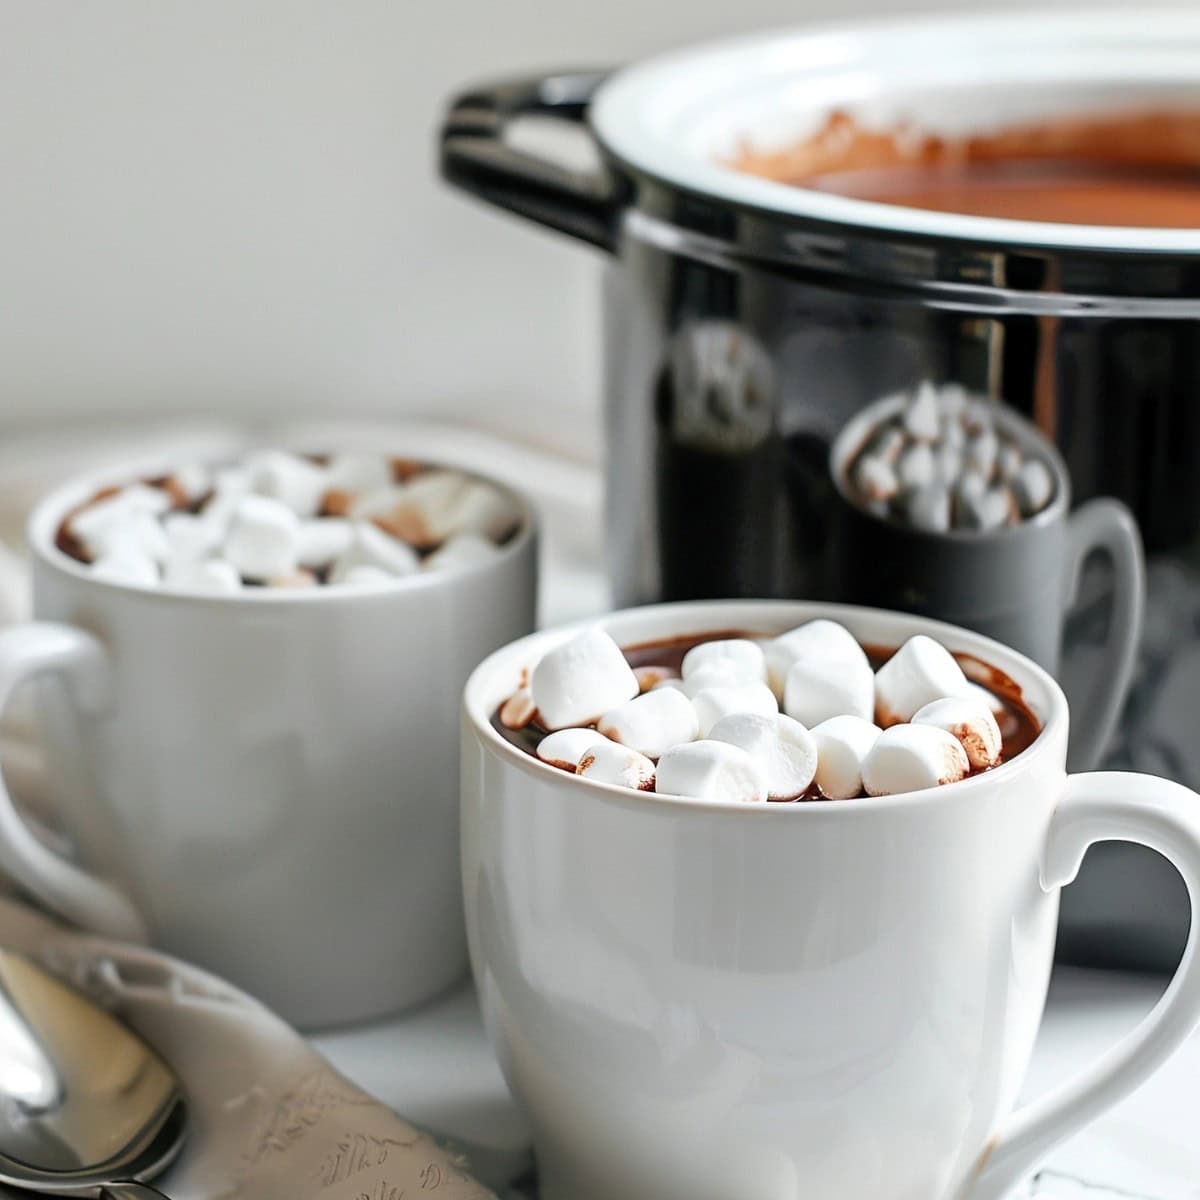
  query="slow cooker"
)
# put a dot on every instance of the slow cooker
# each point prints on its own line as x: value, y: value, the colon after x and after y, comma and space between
x: 747, y: 320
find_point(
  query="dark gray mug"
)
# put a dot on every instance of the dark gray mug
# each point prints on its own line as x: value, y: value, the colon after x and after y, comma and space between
x: 1013, y: 584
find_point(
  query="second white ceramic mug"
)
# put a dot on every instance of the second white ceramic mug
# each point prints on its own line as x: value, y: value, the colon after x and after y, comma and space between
x: 263, y: 783
x: 834, y: 1000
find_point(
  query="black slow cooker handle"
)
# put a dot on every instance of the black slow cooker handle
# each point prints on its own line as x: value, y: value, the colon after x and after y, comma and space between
x: 476, y: 158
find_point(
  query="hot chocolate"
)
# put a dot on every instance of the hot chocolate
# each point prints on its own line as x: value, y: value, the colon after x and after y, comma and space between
x: 1134, y: 169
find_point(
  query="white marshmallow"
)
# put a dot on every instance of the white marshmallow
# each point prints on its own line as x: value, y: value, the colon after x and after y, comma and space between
x: 126, y: 566
x: 713, y: 771
x: 952, y: 400
x: 606, y: 762
x: 1008, y: 461
x: 670, y: 682
x: 971, y: 485
x: 875, y: 478
x: 191, y: 481
x: 819, y: 639
x: 485, y: 510
x: 886, y: 444
x: 377, y: 503
x: 928, y: 508
x: 566, y: 747
x: 121, y: 522
x: 947, y: 464
x: 953, y: 435
x: 263, y: 538
x: 651, y: 675
x: 371, y: 547
x: 358, y: 472
x: 462, y: 550
x: 366, y: 574
x: 144, y: 498
x: 322, y: 540
x: 229, y: 485
x: 916, y: 468
x: 202, y: 575
x: 986, y: 512
x: 818, y: 689
x: 907, y: 758
x: 783, y: 750
x: 652, y: 723
x: 717, y: 674
x: 295, y: 481
x: 438, y: 504
x: 735, y: 656
x: 981, y: 695
x: 1033, y: 486
x: 518, y: 710
x: 981, y: 451
x: 713, y: 703
x: 144, y: 532
x: 920, y: 672
x: 921, y: 416
x: 190, y: 537
x: 970, y: 723
x: 580, y: 679
x: 842, y: 745
x: 302, y: 577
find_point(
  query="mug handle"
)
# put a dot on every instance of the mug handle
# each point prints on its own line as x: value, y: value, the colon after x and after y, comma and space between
x: 1107, y: 525
x: 1106, y: 806
x: 83, y: 899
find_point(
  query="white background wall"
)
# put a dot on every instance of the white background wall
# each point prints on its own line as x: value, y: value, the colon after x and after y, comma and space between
x: 230, y: 206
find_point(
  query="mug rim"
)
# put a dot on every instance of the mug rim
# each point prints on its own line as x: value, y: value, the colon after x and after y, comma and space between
x: 844, y: 447
x: 46, y: 516
x: 721, y: 615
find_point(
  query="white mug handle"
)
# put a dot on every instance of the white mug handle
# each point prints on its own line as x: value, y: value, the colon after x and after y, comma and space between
x: 1107, y: 806
x: 1107, y: 525
x: 84, y: 899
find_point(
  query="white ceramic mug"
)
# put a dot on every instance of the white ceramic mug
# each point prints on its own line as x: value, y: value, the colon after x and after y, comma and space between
x: 834, y: 1000
x: 263, y: 783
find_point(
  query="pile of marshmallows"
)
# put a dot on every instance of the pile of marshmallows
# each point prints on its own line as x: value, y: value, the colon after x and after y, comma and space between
x: 943, y: 463
x: 718, y: 733
x: 281, y: 520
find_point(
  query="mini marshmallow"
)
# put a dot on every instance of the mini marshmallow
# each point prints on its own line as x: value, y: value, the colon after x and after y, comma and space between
x: 263, y: 538
x: 886, y: 444
x: 907, y: 758
x: 191, y: 537
x: 986, y: 512
x: 652, y: 723
x: 713, y: 703
x: 819, y: 639
x: 980, y: 451
x: 947, y: 464
x: 126, y: 566
x: 651, y: 675
x: 968, y: 721
x: 1032, y: 486
x: 928, y: 508
x: 144, y: 498
x: 295, y: 481
x: 518, y: 710
x: 462, y: 550
x: 782, y: 748
x: 484, y: 510
x: 580, y: 679
x: 920, y: 672
x: 358, y: 472
x: 566, y: 747
x: 916, y: 468
x: 367, y: 575
x: 921, y: 416
x: 190, y: 482
x: 715, y: 771
x: 952, y: 400
x: 875, y: 478
x: 971, y: 485
x: 953, y: 435
x: 842, y: 744
x: 143, y: 531
x: 229, y: 485
x: 322, y: 540
x: 735, y: 656
x: 1008, y: 461
x: 120, y: 522
x: 299, y: 578
x: 606, y: 762
x: 717, y: 674
x: 437, y: 504
x: 202, y: 575
x: 820, y: 688
x: 371, y: 547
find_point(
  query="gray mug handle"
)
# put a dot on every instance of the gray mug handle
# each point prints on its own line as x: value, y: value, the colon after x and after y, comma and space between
x: 1108, y: 526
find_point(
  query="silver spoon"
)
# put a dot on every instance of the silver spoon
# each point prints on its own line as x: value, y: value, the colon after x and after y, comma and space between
x: 86, y: 1107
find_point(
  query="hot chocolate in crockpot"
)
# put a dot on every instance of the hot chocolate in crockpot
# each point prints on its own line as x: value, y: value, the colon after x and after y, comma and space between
x: 1132, y: 169
x: 808, y: 715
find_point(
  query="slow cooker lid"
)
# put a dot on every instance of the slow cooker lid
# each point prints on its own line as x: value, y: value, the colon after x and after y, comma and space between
x: 680, y: 117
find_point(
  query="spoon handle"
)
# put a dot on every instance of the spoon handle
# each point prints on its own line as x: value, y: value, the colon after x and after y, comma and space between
x: 131, y: 1191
